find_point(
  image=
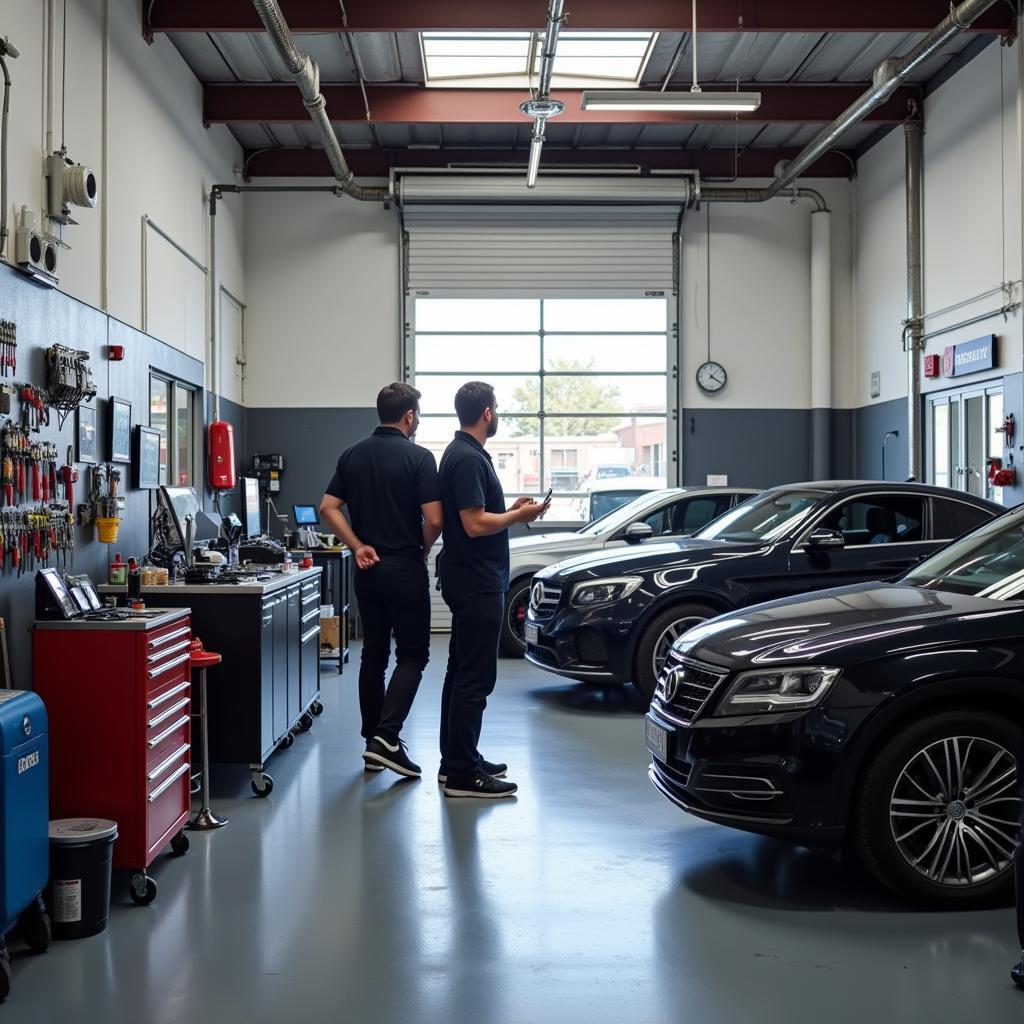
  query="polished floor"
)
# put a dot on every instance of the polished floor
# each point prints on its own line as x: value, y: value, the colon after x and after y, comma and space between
x: 347, y: 897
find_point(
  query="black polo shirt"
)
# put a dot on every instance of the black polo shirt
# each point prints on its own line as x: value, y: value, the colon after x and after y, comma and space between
x: 471, y: 565
x: 384, y: 480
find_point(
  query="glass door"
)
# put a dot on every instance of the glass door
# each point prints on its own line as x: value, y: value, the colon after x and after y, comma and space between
x: 963, y: 433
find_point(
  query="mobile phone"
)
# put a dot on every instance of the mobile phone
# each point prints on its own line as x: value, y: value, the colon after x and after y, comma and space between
x: 547, y: 497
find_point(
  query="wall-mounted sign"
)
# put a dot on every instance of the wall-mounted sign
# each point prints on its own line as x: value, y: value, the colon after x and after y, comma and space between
x: 969, y: 357
x: 876, y: 384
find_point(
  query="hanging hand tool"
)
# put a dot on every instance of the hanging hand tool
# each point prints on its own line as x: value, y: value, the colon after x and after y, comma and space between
x: 69, y: 472
x: 35, y: 456
x: 8, y: 478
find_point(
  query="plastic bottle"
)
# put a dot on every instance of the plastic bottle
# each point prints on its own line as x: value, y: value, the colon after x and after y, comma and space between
x: 118, y: 573
x: 134, y: 581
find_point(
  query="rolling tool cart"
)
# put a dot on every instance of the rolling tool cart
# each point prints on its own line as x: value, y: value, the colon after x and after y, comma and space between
x: 24, y: 823
x: 118, y: 690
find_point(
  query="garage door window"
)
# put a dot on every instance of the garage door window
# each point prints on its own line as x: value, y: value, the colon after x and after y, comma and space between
x: 581, y: 385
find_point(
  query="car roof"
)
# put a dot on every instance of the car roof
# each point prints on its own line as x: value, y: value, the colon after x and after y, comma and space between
x: 909, y: 486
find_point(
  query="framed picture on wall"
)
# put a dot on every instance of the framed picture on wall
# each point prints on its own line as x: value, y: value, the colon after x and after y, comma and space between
x: 120, y: 430
x: 86, y: 434
x: 146, y: 457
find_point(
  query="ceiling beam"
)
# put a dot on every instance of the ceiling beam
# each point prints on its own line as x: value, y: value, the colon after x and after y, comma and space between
x: 376, y: 163
x: 389, y: 104
x: 593, y: 15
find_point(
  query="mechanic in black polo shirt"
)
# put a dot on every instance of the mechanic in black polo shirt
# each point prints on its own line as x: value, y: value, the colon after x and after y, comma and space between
x: 391, y: 489
x: 473, y: 569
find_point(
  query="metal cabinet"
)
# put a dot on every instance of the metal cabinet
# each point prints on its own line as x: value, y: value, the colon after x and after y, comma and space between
x: 309, y: 645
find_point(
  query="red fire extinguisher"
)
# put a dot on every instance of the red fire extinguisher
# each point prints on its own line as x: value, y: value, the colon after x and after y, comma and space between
x: 1000, y: 476
x: 221, y: 444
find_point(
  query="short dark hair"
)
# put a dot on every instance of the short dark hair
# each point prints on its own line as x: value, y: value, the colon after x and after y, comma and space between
x: 471, y: 400
x: 395, y: 400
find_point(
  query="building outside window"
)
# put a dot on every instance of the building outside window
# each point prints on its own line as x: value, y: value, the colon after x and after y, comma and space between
x: 172, y: 411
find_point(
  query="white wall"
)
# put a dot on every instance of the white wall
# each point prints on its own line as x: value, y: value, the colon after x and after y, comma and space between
x: 160, y: 161
x: 972, y: 230
x: 322, y: 324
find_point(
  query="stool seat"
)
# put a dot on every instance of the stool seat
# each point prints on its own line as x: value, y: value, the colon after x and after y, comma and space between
x: 205, y: 659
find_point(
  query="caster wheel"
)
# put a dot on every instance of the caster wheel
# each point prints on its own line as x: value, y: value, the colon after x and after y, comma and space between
x: 288, y: 742
x: 35, y: 928
x: 316, y: 708
x: 5, y: 974
x: 180, y: 844
x: 263, y: 787
x: 305, y: 723
x: 142, y: 890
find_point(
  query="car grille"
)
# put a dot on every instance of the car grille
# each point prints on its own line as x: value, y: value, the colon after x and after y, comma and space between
x: 685, y: 686
x: 544, y: 599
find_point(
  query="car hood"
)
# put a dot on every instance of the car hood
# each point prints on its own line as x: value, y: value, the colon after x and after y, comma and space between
x: 668, y: 557
x: 546, y: 541
x: 838, y: 627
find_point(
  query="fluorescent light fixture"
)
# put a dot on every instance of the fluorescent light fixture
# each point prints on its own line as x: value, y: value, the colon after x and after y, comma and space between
x: 688, y: 102
x: 536, y: 144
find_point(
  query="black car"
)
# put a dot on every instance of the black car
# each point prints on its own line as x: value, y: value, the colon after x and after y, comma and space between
x: 612, y: 617
x: 886, y: 717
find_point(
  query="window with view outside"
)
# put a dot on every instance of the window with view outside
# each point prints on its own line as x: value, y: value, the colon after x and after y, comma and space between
x: 581, y: 388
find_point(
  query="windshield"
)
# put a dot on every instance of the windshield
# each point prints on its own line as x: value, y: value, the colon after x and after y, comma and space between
x: 621, y: 514
x: 986, y: 563
x: 764, y: 518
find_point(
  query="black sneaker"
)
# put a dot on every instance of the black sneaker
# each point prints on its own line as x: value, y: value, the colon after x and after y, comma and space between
x: 499, y: 771
x: 391, y: 756
x: 480, y: 785
x: 371, y: 766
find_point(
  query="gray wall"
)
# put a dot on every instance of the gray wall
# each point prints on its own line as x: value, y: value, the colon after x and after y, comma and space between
x: 872, y: 423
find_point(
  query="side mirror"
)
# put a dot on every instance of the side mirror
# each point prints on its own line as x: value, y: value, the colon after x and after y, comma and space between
x: 637, y: 533
x: 823, y: 538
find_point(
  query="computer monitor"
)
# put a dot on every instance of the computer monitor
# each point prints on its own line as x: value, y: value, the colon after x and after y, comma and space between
x: 251, y: 506
x: 181, y: 502
x: 305, y: 515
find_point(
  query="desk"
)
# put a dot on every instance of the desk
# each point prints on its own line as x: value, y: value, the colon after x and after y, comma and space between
x: 335, y: 590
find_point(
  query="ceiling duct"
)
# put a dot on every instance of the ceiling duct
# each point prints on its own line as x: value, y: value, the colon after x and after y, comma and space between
x: 556, y: 190
x: 304, y: 71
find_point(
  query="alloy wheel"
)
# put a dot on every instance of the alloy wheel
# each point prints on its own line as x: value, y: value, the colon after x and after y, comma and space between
x: 670, y: 635
x: 954, y: 811
x: 517, y: 615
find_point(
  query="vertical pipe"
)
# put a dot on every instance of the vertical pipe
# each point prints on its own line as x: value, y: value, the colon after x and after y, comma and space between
x: 51, y: 60
x: 214, y: 296
x: 913, y: 135
x: 821, y: 345
x: 104, y: 177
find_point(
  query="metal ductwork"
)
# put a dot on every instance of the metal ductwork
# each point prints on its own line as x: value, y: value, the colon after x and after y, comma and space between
x: 889, y: 75
x: 554, y: 190
x: 303, y: 69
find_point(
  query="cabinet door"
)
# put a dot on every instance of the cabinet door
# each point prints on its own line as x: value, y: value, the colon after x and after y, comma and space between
x: 310, y: 660
x: 280, y: 628
x: 294, y: 664
x: 267, y: 733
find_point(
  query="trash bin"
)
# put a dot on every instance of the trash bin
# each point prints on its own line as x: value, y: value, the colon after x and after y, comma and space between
x: 81, y: 853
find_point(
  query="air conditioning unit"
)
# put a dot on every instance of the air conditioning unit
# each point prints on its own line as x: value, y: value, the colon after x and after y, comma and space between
x: 34, y: 253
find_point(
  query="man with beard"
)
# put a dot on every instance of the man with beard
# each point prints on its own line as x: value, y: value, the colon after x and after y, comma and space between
x: 473, y: 570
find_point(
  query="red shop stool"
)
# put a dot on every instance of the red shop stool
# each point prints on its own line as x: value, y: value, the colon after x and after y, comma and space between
x: 204, y: 818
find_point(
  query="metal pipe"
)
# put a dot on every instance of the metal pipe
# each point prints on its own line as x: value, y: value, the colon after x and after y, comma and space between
x: 756, y: 195
x: 306, y: 74
x: 51, y: 60
x: 889, y: 75
x: 1003, y: 311
x: 214, y: 298
x: 913, y: 136
x: 3, y: 158
x: 821, y: 345
x: 547, y: 57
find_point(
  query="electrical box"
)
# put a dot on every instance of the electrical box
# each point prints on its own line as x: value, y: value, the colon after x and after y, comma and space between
x: 932, y: 366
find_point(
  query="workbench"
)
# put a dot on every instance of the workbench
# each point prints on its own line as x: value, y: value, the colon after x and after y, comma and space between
x: 268, y: 685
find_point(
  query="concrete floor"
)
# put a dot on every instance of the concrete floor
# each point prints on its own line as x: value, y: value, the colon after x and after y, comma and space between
x: 349, y: 897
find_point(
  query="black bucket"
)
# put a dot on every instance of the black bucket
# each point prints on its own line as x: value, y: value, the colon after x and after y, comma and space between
x: 78, y: 894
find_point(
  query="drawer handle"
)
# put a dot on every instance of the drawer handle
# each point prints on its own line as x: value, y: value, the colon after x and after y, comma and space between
x: 164, y: 765
x: 311, y: 615
x: 169, y: 731
x: 167, y: 783
x: 157, y: 701
x: 168, y: 637
x: 161, y: 669
x: 311, y: 598
x: 312, y: 633
x: 160, y: 655
x: 154, y: 722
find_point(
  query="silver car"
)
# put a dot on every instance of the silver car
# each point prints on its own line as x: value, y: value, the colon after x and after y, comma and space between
x: 672, y: 512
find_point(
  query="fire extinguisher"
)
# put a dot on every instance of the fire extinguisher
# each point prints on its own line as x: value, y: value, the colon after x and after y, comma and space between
x: 1000, y: 476
x: 221, y: 446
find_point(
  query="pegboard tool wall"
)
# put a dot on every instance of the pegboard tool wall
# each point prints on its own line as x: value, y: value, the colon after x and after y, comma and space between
x: 44, y: 317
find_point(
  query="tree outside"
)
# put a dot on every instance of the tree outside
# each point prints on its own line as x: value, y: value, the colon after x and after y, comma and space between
x: 566, y: 395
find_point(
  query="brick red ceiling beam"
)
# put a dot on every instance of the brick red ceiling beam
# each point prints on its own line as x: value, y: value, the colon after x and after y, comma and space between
x: 282, y: 104
x: 594, y: 15
x: 712, y: 163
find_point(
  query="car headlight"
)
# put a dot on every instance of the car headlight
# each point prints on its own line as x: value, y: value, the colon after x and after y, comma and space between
x: 790, y: 689
x: 588, y: 595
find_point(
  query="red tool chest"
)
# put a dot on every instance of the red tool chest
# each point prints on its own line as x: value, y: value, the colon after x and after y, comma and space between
x: 119, y: 700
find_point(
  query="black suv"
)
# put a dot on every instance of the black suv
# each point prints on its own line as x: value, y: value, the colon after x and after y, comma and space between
x: 886, y: 716
x: 612, y: 617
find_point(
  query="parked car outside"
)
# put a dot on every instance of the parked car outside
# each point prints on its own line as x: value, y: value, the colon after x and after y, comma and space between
x: 881, y: 716
x: 670, y: 512
x: 612, y: 616
x: 601, y: 496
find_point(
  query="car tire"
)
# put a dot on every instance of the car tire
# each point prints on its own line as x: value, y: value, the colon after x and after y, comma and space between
x: 900, y: 782
x: 517, y: 598
x: 659, y: 631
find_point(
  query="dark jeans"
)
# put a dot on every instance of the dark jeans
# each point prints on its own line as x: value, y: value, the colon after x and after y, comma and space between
x: 469, y: 681
x: 394, y: 597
